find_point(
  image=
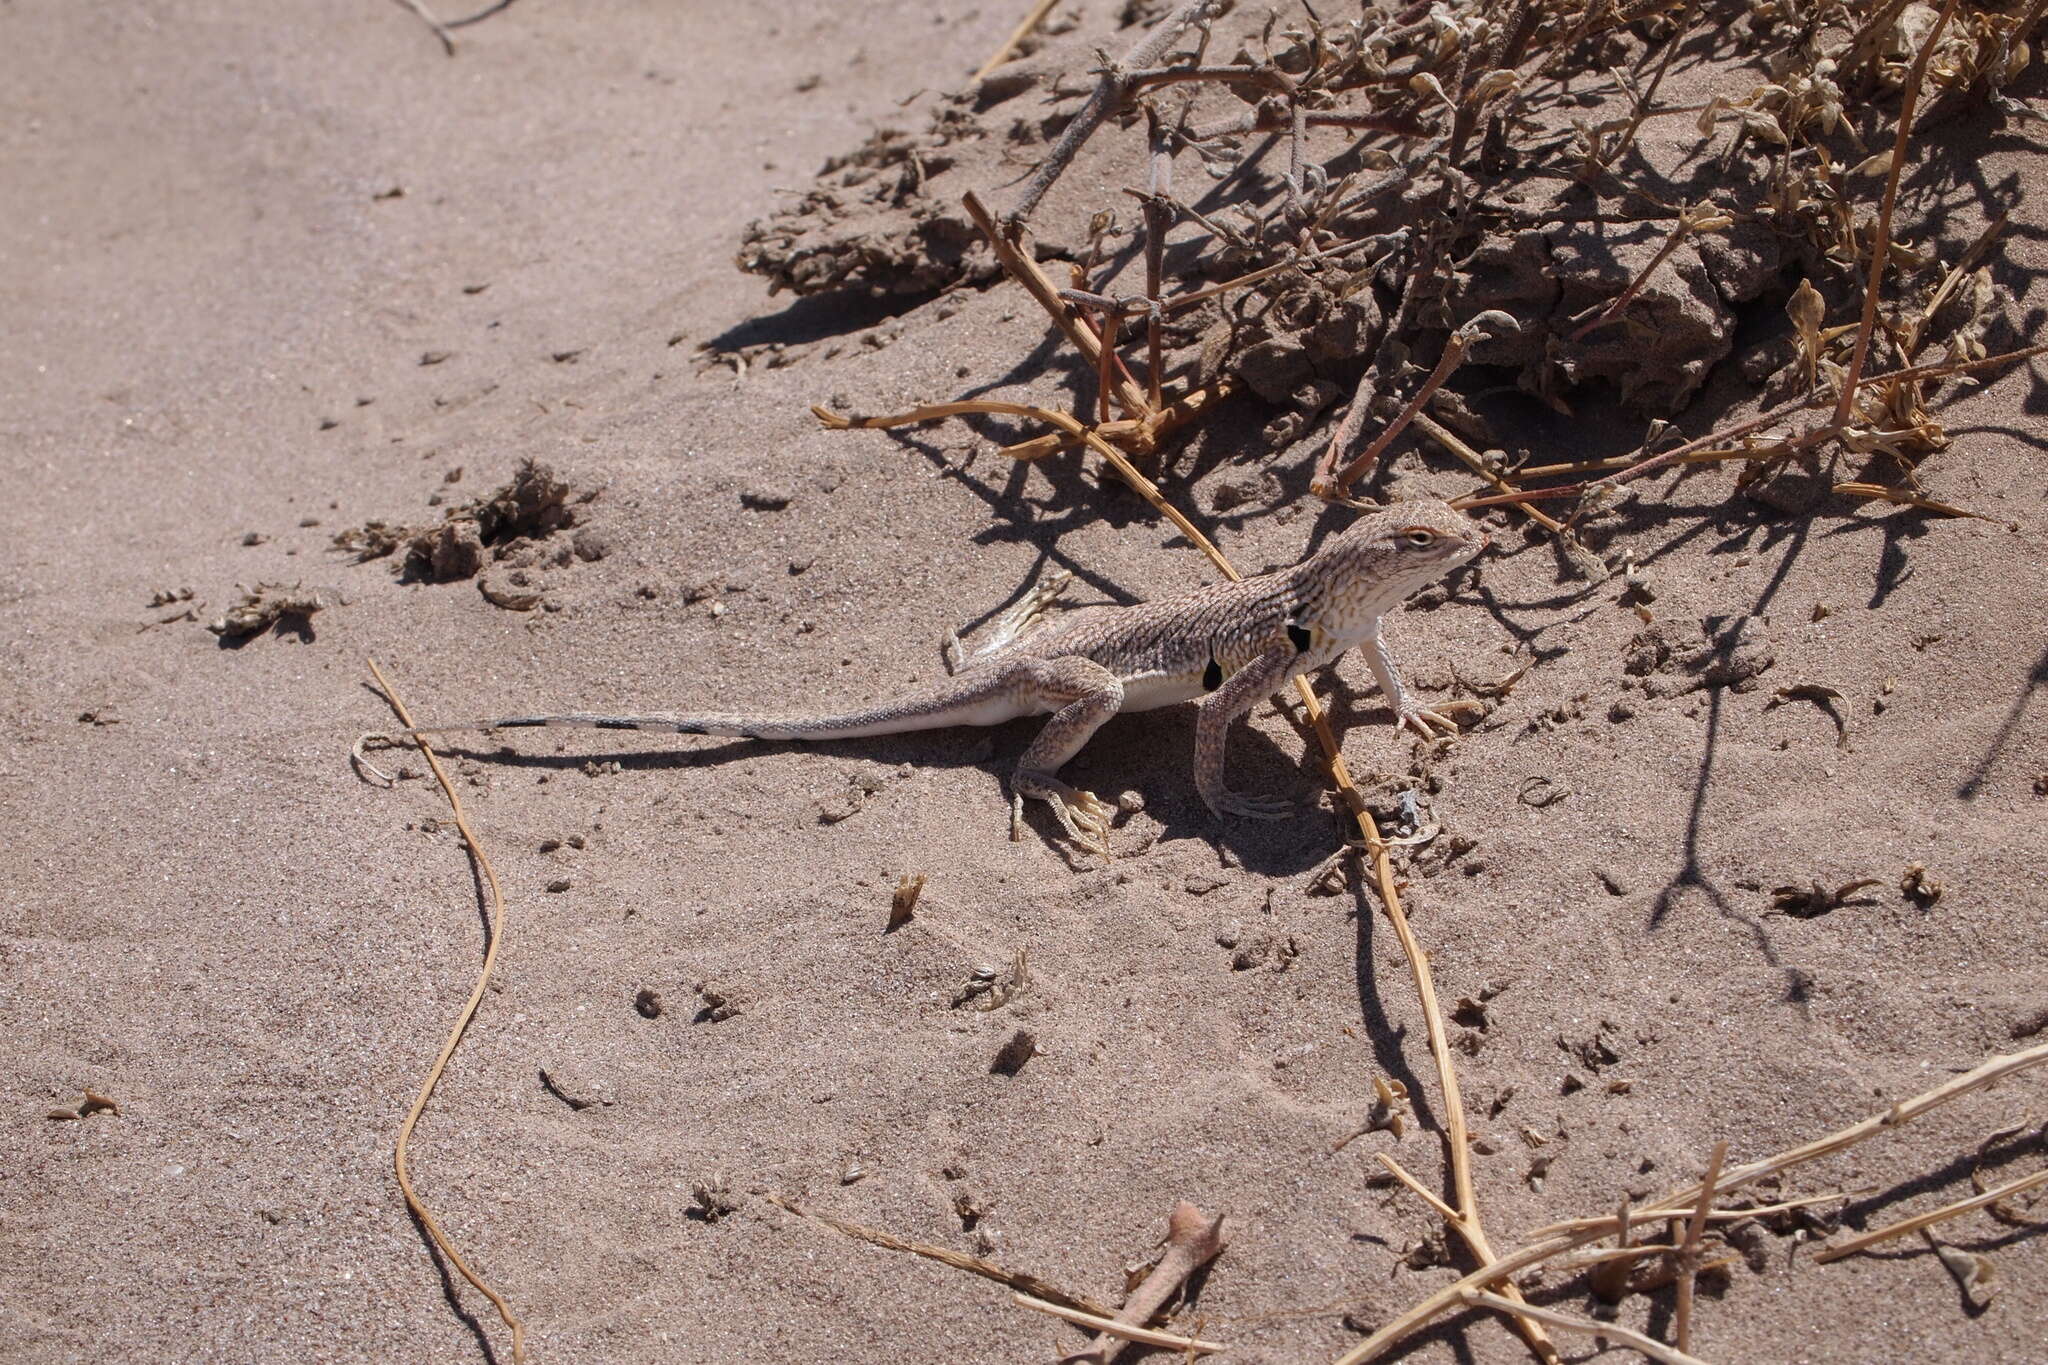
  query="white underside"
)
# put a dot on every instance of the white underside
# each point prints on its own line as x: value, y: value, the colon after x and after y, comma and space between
x: 1150, y: 691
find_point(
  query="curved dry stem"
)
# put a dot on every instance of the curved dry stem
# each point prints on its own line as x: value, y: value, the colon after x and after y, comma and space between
x: 1845, y: 404
x: 1548, y: 1242
x: 1627, y: 1336
x: 1932, y: 1216
x: 455, y: 1032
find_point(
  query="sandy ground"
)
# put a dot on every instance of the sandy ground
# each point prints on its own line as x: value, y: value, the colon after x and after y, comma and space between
x: 231, y: 240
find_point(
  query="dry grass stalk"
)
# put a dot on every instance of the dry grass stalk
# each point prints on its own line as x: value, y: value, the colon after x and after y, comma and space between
x: 1690, y: 221
x: 455, y: 1032
x: 1013, y: 1279
x: 1627, y: 1336
x: 1112, y: 88
x: 1328, y: 484
x: 1931, y: 1217
x: 1143, y: 1335
x: 1025, y: 271
x: 1905, y: 499
x: 1031, y: 20
x: 1845, y: 405
x: 1193, y: 1239
x: 1689, y: 1249
x: 1450, y: 441
x: 1720, y: 436
x: 1547, y: 1243
x: 1141, y: 435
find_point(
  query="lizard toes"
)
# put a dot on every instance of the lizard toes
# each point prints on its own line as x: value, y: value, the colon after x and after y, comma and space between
x: 1428, y: 724
x: 1087, y: 819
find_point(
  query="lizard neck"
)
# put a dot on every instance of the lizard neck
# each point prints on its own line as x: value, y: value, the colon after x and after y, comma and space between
x: 1343, y: 609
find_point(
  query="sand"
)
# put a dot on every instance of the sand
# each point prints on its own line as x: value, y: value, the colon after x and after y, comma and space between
x: 271, y: 274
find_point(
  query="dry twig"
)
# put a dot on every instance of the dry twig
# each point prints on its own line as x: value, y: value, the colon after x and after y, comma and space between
x: 1030, y: 21
x: 1845, y: 404
x: 1627, y: 1336
x: 1931, y: 1217
x: 1546, y: 1243
x: 1014, y: 1279
x: 455, y: 1032
x: 1193, y: 1239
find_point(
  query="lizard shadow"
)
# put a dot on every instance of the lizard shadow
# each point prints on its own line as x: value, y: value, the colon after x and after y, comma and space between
x: 1128, y: 745
x: 1128, y: 751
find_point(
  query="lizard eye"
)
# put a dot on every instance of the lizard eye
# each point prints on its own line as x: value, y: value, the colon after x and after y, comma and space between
x: 1418, y: 537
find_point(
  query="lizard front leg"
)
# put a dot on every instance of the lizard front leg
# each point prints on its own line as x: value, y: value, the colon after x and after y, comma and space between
x: 1082, y: 694
x: 1239, y: 693
x: 1407, y: 715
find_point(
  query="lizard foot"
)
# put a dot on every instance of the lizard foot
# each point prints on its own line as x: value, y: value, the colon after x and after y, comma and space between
x: 1083, y: 815
x: 1429, y: 724
x: 1251, y: 807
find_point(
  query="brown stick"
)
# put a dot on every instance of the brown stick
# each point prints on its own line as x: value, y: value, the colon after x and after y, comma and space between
x: 1547, y: 1242
x: 1649, y: 1346
x: 1933, y: 369
x: 1111, y: 89
x: 1017, y: 35
x: 1026, y: 272
x: 1931, y: 1217
x: 988, y: 1270
x: 1143, y: 1335
x: 1142, y: 436
x: 1450, y: 441
x: 455, y: 1032
x: 1689, y: 1249
x: 1193, y: 1239
x: 1687, y: 224
x: 1454, y: 355
x: 1845, y: 405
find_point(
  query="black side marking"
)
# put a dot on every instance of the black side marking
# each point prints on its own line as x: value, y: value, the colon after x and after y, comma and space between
x: 1300, y: 636
x: 516, y: 724
x: 618, y: 725
x: 1212, y: 676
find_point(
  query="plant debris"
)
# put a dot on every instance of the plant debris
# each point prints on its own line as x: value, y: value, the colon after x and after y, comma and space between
x: 903, y: 901
x: 1918, y: 885
x: 532, y: 506
x: 94, y: 1104
x: 266, y: 605
x: 1813, y: 900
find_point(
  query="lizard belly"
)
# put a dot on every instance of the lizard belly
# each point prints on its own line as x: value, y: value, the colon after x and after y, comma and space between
x: 1149, y: 691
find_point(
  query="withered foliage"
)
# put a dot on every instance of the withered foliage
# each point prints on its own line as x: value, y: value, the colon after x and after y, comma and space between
x: 532, y: 506
x: 1624, y: 183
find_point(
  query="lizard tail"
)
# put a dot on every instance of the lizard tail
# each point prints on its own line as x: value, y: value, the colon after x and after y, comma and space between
x: 935, y: 709
x: 986, y: 702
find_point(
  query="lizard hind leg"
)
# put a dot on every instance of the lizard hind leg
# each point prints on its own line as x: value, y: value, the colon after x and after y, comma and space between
x: 1010, y: 627
x: 1081, y: 694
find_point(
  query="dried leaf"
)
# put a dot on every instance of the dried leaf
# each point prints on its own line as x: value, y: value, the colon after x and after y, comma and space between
x: 1425, y: 84
x: 1496, y: 82
x: 1806, y: 308
x: 903, y: 901
x: 1973, y: 1271
x: 1905, y: 499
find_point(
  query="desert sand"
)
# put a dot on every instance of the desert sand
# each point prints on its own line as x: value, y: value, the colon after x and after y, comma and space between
x: 272, y: 273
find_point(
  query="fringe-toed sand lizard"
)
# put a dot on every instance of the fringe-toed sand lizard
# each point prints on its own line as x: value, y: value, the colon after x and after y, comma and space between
x: 1230, y: 645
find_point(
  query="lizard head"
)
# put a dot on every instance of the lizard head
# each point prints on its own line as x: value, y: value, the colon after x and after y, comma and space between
x: 1385, y: 556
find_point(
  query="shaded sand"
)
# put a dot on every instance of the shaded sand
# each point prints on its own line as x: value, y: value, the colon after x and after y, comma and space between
x: 231, y: 244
